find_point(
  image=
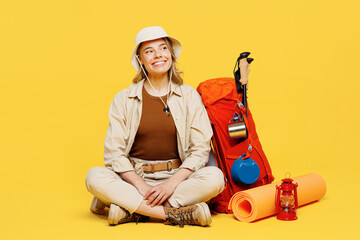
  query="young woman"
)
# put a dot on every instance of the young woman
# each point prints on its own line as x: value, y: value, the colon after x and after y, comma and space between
x: 157, y: 144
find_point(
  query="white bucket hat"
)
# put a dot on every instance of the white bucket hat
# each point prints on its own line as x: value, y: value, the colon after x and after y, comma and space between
x: 151, y: 33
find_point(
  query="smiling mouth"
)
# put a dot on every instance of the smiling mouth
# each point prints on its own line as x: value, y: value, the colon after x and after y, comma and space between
x: 158, y: 63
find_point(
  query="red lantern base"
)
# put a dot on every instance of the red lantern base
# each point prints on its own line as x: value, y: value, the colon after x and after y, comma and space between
x: 287, y: 216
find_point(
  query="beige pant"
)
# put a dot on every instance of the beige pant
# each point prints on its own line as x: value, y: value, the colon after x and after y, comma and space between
x: 108, y: 186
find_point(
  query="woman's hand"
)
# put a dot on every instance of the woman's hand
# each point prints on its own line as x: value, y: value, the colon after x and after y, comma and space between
x: 144, y: 188
x: 137, y: 181
x: 244, y: 71
x: 159, y: 193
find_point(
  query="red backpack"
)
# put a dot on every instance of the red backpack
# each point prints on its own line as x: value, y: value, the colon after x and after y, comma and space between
x: 222, y: 100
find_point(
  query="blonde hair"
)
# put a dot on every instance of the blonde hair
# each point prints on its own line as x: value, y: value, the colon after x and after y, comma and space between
x: 176, y: 77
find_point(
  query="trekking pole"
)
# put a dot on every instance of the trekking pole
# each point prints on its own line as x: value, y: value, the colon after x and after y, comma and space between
x: 241, y: 88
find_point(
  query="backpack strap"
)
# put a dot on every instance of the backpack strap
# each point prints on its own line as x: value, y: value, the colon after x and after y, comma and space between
x: 243, y: 112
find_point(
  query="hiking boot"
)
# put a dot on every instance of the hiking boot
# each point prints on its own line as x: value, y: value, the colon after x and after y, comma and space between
x: 198, y: 214
x: 97, y: 206
x: 118, y: 215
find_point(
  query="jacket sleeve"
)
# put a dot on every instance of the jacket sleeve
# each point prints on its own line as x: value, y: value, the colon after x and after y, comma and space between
x: 200, y: 133
x: 115, y: 141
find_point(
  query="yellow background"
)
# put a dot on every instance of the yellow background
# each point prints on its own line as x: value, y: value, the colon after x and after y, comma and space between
x: 62, y: 62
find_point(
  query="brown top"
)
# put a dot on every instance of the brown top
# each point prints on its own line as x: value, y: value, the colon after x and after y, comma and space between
x: 156, y: 135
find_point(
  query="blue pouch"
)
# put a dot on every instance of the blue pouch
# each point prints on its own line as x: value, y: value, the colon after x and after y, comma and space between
x: 245, y: 171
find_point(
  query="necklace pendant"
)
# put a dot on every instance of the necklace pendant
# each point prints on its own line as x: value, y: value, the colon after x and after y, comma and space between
x: 166, y: 109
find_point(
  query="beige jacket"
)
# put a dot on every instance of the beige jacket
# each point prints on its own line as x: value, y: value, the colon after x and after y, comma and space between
x: 191, y: 120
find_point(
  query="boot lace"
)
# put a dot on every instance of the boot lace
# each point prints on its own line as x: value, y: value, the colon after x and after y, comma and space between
x: 184, y: 216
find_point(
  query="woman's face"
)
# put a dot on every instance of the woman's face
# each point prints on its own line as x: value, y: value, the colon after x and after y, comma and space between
x: 155, y: 56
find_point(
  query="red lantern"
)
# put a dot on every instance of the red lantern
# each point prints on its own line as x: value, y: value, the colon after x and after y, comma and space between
x: 286, y: 200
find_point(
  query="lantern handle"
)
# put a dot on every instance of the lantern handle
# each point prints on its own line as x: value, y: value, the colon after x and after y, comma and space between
x: 287, y: 174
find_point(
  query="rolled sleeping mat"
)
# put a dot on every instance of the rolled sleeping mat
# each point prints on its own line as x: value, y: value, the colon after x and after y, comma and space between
x: 259, y: 202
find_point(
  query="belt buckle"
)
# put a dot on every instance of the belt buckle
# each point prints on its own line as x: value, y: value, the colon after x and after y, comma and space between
x: 167, y: 166
x: 145, y: 165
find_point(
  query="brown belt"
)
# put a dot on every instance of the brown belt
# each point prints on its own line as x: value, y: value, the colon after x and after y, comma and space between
x: 157, y: 167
